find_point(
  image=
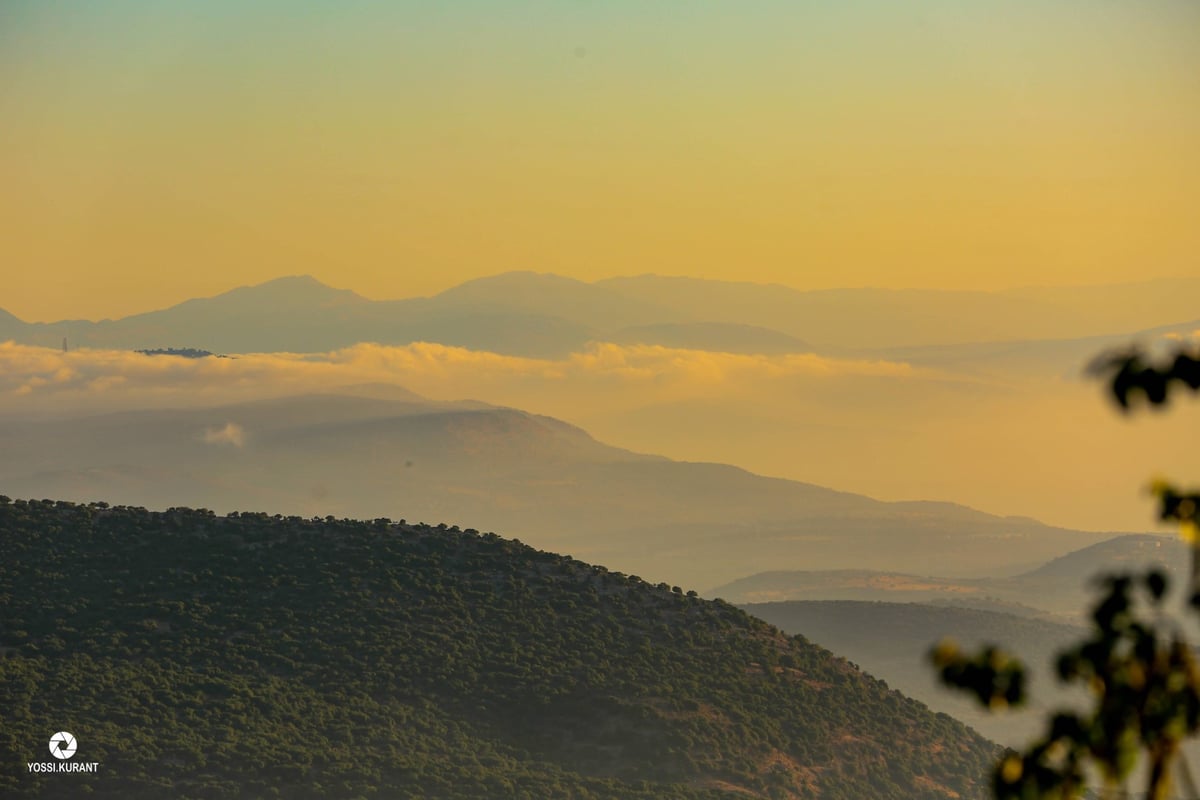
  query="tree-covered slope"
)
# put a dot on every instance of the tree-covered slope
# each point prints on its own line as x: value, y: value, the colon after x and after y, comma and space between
x: 254, y: 656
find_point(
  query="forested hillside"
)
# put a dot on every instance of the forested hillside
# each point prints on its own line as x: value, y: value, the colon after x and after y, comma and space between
x: 194, y: 655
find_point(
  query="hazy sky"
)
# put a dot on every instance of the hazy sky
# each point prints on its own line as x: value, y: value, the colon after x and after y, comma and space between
x: 151, y: 151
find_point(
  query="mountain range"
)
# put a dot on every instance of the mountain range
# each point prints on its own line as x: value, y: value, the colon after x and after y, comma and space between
x: 807, y: 557
x: 886, y: 393
x: 545, y: 315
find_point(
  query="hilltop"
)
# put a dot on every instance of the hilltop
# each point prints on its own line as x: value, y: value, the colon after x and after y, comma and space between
x: 253, y: 655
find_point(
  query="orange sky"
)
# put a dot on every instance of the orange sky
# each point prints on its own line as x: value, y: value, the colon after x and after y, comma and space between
x: 154, y: 152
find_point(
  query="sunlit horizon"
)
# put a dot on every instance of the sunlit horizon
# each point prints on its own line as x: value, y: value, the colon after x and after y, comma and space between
x: 157, y: 152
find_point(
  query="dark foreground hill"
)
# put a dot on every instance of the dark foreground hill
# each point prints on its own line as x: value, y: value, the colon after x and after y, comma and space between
x: 193, y: 655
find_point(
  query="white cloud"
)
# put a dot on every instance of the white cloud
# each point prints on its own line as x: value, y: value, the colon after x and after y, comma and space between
x: 1020, y: 444
x: 231, y: 434
x: 30, y: 376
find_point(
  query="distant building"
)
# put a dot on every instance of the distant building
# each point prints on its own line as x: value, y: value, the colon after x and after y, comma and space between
x: 185, y: 352
x: 64, y: 344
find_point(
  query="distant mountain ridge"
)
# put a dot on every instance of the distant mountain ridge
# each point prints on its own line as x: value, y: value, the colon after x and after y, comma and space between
x: 545, y: 315
x: 1060, y: 587
x: 872, y: 319
x: 891, y: 641
x: 887, y: 623
x: 548, y: 482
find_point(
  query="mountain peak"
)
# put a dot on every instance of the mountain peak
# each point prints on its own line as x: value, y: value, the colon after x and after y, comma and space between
x: 294, y: 283
x: 289, y: 290
x: 294, y: 280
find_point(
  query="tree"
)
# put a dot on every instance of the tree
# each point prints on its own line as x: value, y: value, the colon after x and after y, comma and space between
x: 1144, y: 678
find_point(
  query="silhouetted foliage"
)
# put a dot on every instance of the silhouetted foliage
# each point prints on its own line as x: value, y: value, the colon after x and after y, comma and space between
x: 996, y: 679
x: 1132, y: 373
x: 1144, y: 677
x: 1146, y: 685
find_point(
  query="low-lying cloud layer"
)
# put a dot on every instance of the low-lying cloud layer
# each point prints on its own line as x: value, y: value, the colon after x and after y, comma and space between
x: 1014, y: 441
x: 230, y: 434
x: 41, y: 377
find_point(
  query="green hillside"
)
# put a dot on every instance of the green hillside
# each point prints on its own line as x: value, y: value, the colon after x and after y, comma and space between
x: 194, y: 655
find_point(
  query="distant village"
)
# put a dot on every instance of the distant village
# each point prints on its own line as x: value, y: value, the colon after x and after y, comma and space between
x: 182, y: 352
x: 185, y: 352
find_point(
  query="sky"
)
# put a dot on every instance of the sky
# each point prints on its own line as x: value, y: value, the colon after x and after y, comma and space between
x: 153, y: 152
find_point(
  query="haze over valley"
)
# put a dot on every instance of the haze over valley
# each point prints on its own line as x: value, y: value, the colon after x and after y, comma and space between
x: 422, y: 423
x: 944, y: 417
x: 317, y: 404
x: 597, y: 401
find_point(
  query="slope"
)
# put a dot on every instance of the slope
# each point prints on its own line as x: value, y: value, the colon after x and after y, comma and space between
x: 528, y: 475
x: 250, y: 655
x: 1059, y: 587
x: 891, y: 641
x: 301, y: 314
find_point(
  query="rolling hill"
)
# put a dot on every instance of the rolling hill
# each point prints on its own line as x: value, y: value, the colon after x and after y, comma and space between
x: 198, y: 655
x: 891, y: 641
x: 1061, y: 587
x: 531, y: 476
